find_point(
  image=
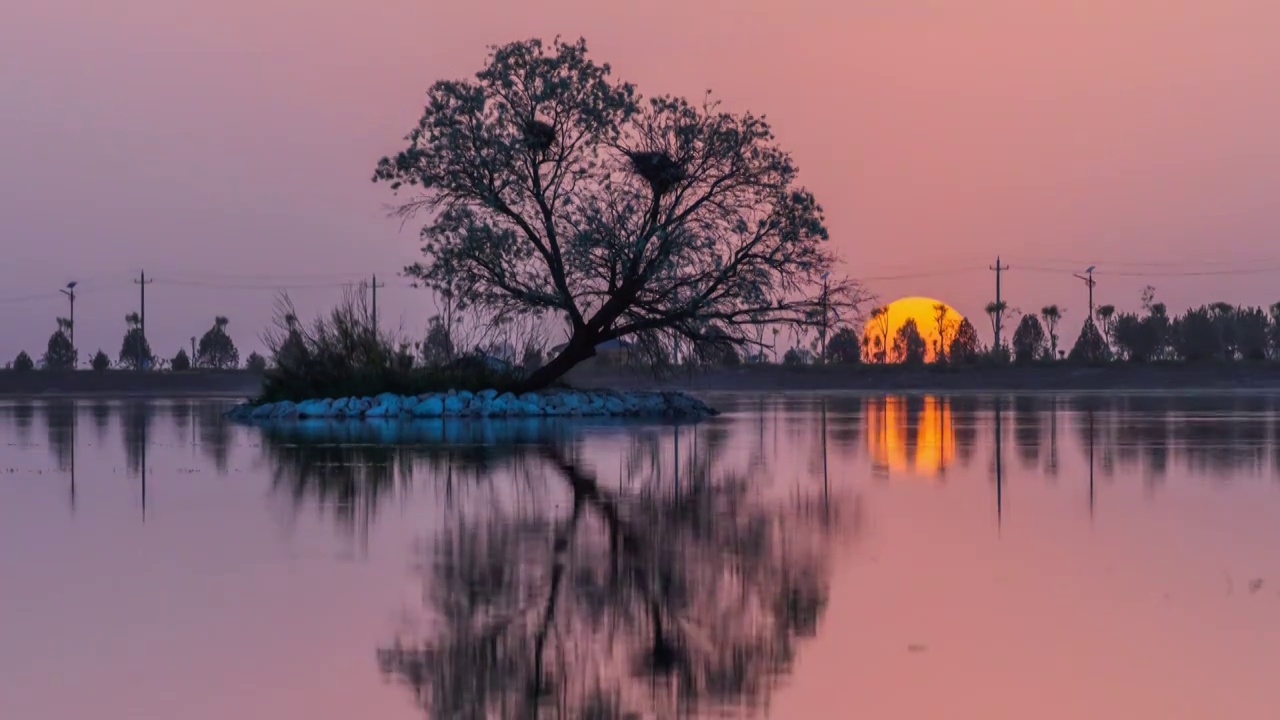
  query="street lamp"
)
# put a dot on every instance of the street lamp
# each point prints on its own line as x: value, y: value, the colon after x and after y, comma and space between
x: 1088, y: 280
x: 70, y: 292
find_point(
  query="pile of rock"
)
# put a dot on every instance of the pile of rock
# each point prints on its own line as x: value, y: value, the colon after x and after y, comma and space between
x: 485, y: 404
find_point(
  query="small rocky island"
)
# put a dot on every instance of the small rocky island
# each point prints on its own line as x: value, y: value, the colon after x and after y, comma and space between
x: 484, y: 404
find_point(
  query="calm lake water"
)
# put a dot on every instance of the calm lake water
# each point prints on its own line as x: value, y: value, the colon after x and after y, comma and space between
x: 797, y: 557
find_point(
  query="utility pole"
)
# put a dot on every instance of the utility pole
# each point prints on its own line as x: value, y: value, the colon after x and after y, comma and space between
x: 824, y: 316
x: 142, y: 282
x: 193, y: 352
x: 1088, y: 280
x: 70, y: 292
x: 375, y: 287
x: 1000, y: 321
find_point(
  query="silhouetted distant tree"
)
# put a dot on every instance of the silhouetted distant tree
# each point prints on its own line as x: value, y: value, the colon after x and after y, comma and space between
x: 964, y: 346
x: 1090, y: 347
x: 1052, y: 316
x: 437, y: 347
x: 1197, y: 335
x: 60, y: 355
x: 1135, y: 337
x: 1028, y: 340
x: 23, y: 363
x: 945, y: 322
x: 880, y: 342
x: 181, y: 361
x: 100, y: 361
x: 909, y: 346
x: 1273, y: 331
x: 1252, y: 330
x: 216, y: 350
x: 1104, y: 314
x: 257, y: 363
x: 135, y: 351
x: 551, y: 188
x: 844, y: 348
x: 797, y: 356
x: 995, y: 312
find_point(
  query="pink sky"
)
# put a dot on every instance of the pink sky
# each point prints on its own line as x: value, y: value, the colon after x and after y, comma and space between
x: 231, y: 143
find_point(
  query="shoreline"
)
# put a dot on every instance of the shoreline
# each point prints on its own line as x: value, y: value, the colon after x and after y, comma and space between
x: 763, y: 379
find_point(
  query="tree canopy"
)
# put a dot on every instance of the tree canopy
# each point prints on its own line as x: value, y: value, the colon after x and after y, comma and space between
x: 181, y: 361
x: 844, y: 348
x: 135, y: 351
x: 909, y: 346
x: 60, y: 355
x: 23, y: 362
x: 964, y: 346
x: 216, y: 350
x: 548, y: 187
x: 1029, y: 340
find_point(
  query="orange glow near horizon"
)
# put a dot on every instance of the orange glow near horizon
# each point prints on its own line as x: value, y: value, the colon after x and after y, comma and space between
x: 921, y: 309
x: 910, y: 435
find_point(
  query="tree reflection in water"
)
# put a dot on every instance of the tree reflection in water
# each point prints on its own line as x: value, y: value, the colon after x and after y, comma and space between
x: 639, y: 601
x: 551, y: 592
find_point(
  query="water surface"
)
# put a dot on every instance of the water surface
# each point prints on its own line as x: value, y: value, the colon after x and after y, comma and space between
x: 797, y: 557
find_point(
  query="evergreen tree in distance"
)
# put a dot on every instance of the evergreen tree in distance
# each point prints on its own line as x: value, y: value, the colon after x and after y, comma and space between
x: 181, y: 361
x: 844, y: 347
x: 23, y: 363
x: 255, y: 362
x: 100, y: 361
x: 135, y: 351
x: 964, y: 346
x: 59, y: 355
x: 216, y: 350
x: 1028, y: 340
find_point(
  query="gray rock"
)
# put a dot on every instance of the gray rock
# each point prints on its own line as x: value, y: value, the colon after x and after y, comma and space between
x: 454, y: 405
x: 488, y: 394
x: 263, y: 411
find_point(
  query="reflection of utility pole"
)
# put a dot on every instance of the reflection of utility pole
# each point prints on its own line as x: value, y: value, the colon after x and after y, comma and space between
x: 826, y: 484
x: 75, y: 417
x: 1090, y: 465
x: 999, y: 468
x: 1088, y: 280
x: 998, y: 268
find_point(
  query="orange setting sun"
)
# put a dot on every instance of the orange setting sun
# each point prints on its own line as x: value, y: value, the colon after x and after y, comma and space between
x: 934, y: 319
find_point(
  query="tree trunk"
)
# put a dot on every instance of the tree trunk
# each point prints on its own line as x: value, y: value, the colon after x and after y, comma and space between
x: 578, y: 349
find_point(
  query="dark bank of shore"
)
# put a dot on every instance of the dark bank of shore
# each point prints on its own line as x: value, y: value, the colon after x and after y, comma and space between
x: 238, y: 384
x: 1118, y: 378
x: 243, y: 384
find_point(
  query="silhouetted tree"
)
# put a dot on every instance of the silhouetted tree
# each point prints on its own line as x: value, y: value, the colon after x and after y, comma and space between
x: 879, y: 345
x: 909, y: 346
x: 995, y: 312
x: 181, y: 361
x: 437, y: 347
x: 844, y: 348
x: 945, y: 323
x: 797, y: 356
x: 1273, y: 332
x: 1052, y: 316
x: 964, y: 346
x: 1197, y: 336
x: 1135, y: 338
x: 1105, y: 313
x: 135, y: 351
x: 100, y: 361
x: 1252, y: 329
x: 257, y: 363
x: 216, y: 350
x: 60, y: 355
x: 551, y: 187
x: 1028, y: 340
x: 23, y: 363
x: 1090, y: 347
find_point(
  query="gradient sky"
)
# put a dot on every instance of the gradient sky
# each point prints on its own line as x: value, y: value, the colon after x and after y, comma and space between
x: 226, y: 147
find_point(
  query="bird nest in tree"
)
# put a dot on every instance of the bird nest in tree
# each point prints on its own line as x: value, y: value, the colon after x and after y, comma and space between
x: 658, y: 169
x: 539, y: 136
